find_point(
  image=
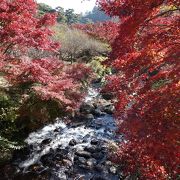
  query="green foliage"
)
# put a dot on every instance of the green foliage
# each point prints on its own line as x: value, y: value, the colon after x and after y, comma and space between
x: 9, y: 145
x: 158, y: 84
x: 71, y: 16
x: 63, y: 16
x: 8, y: 115
x: 7, y: 112
x: 8, y: 127
x: 35, y: 112
x: 20, y: 115
x: 6, y: 149
x: 98, y: 67
x: 44, y: 8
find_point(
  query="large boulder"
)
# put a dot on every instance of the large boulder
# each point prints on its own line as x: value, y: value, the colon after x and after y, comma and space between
x: 46, y: 141
x: 84, y: 154
x: 82, y: 160
x: 91, y: 162
x: 88, y: 117
x: 86, y: 108
x: 109, y: 109
x: 81, y: 117
x: 72, y: 142
x: 97, y: 112
x: 94, y: 141
x: 107, y: 96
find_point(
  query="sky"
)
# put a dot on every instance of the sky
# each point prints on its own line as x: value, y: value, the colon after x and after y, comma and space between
x: 77, y: 5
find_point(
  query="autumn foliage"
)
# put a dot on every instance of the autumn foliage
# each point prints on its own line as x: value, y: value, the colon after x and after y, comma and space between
x: 104, y: 31
x: 47, y: 78
x: 145, y: 55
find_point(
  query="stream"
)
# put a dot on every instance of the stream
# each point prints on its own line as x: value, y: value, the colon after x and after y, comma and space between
x: 78, y: 150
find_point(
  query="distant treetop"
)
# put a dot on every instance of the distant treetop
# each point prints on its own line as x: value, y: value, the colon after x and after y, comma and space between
x: 69, y: 16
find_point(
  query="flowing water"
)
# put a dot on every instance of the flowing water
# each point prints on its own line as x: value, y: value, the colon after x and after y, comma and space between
x: 61, y: 151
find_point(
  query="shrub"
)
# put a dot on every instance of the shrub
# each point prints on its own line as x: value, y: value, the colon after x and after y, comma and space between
x: 8, y: 127
x: 8, y: 115
x: 78, y: 45
x: 97, y: 65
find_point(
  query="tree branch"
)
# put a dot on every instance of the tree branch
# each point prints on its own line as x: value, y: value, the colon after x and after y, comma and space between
x: 162, y: 13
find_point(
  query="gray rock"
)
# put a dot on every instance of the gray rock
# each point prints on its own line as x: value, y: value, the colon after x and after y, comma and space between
x: 79, y: 176
x: 84, y: 154
x: 94, y: 141
x: 91, y: 162
x: 56, y: 130
x: 108, y: 163
x: 86, y: 138
x: 109, y: 109
x: 98, y: 155
x: 67, y: 162
x: 113, y: 170
x: 100, y: 177
x: 58, y: 157
x: 82, y: 160
x: 97, y: 112
x: 107, y: 96
x: 91, y: 149
x: 88, y: 117
x: 47, y: 159
x: 46, y: 141
x: 36, y: 168
x: 84, y: 141
x: 99, y: 167
x: 72, y: 142
x: 61, y: 154
x: 60, y: 176
x: 86, y: 108
x: 95, y: 81
x: 76, y: 124
x: 85, y: 167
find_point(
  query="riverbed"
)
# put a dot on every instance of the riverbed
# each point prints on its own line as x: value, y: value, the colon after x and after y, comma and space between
x: 77, y: 150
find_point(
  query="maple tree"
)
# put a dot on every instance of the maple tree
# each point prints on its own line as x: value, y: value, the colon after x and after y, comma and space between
x: 145, y: 55
x: 21, y: 29
x: 105, y: 31
x: 46, y: 78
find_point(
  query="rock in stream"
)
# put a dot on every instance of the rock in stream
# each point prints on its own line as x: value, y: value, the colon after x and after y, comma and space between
x: 68, y: 152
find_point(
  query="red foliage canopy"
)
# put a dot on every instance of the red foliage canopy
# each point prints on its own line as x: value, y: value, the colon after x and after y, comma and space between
x: 145, y: 55
x: 105, y: 31
x: 21, y: 31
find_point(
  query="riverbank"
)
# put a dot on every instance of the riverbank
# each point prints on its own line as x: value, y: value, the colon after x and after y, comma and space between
x: 79, y: 149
